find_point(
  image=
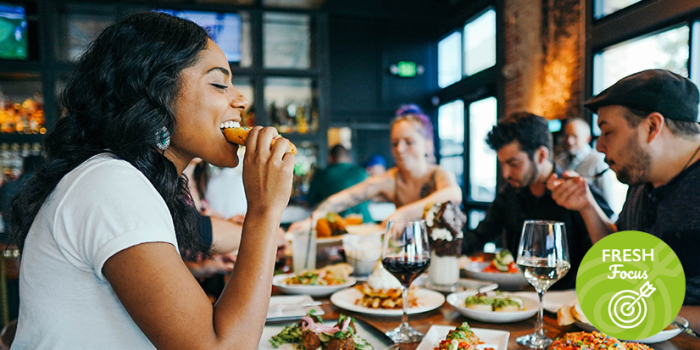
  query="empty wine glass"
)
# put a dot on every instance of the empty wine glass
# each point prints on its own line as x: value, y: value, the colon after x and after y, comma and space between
x: 406, y: 255
x: 543, y: 257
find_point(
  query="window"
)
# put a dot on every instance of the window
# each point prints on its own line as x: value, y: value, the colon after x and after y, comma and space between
x: 475, y: 217
x: 245, y: 86
x: 450, y: 60
x: 451, y: 133
x: 480, y: 43
x: 482, y: 159
x: 603, y: 8
x: 668, y: 49
x: 695, y: 54
x: 287, y: 40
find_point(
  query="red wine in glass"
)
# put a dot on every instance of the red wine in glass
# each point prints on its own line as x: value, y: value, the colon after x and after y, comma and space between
x: 404, y: 269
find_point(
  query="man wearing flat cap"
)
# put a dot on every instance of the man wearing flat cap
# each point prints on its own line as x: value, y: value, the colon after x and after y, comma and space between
x: 651, y: 139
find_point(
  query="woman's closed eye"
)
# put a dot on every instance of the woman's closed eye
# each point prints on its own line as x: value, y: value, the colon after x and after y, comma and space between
x: 220, y: 87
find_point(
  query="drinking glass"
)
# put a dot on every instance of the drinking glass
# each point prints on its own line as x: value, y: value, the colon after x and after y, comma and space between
x: 543, y: 257
x: 406, y: 255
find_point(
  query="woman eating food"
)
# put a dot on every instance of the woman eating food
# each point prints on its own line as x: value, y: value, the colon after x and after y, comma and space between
x: 105, y: 224
x: 415, y: 182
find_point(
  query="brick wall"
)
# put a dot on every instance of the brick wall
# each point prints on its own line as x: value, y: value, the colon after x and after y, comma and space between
x: 544, y: 62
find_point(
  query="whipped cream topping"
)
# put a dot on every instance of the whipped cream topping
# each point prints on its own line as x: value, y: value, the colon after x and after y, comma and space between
x: 229, y: 124
x: 441, y: 233
x: 383, y: 279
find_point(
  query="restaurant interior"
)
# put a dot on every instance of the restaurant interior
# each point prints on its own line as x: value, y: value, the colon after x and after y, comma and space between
x: 329, y: 72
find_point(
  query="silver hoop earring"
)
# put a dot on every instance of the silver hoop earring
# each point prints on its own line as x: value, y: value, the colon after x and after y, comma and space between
x: 162, y: 139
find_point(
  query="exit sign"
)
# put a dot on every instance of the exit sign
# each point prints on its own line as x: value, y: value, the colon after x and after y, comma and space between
x: 406, y: 69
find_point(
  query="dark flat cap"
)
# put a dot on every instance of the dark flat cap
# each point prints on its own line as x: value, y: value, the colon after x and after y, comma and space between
x: 654, y: 90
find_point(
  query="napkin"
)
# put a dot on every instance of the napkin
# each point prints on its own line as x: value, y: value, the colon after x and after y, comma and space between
x: 553, y: 300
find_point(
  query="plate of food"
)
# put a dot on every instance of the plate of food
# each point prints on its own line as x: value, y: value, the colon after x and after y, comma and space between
x: 319, y: 282
x: 464, y: 338
x: 493, y: 307
x: 386, y: 304
x: 501, y: 270
x: 311, y: 332
x: 381, y: 295
x: 572, y: 314
x: 593, y: 340
x: 462, y: 285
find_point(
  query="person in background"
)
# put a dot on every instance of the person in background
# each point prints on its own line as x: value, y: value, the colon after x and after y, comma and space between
x: 415, y: 182
x: 225, y: 192
x: 105, y: 224
x: 523, y: 145
x: 337, y: 176
x: 376, y: 165
x: 584, y: 160
x: 651, y: 140
x: 10, y: 189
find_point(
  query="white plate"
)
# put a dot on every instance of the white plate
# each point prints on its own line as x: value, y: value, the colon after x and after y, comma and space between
x: 374, y: 336
x: 506, y: 281
x: 554, y: 299
x: 498, y: 340
x: 427, y: 300
x: 314, y: 291
x: 530, y: 308
x: 656, y: 338
x: 285, y: 307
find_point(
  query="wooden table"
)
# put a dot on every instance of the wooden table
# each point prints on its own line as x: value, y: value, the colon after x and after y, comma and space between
x: 447, y: 315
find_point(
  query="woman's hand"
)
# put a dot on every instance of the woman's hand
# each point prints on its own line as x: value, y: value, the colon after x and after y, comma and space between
x: 303, y: 225
x: 267, y: 172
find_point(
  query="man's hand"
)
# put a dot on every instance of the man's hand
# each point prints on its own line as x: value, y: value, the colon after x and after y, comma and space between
x: 570, y: 191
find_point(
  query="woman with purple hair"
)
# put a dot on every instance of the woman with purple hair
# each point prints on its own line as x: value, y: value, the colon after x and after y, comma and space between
x: 415, y: 182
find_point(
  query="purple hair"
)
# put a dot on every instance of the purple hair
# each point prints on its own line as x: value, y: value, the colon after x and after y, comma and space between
x: 413, y: 113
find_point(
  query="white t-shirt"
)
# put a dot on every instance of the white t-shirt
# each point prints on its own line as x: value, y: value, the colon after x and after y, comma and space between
x: 103, y: 206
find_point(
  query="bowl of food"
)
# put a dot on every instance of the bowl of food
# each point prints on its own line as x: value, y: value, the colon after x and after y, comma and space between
x: 493, y: 307
x: 501, y: 269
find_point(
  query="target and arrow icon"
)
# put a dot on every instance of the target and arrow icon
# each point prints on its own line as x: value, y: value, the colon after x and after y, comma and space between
x: 627, y: 308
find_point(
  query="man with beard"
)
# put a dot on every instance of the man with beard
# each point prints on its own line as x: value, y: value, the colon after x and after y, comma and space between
x: 651, y: 139
x: 523, y: 145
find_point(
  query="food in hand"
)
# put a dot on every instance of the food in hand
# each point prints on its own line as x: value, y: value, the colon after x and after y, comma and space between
x: 325, y: 276
x: 332, y: 225
x: 497, y: 303
x: 460, y: 338
x: 594, y: 340
x: 310, y: 334
x: 383, y: 291
x: 235, y: 133
x: 503, y: 262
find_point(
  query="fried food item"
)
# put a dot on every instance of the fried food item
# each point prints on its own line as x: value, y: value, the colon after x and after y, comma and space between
x: 239, y: 135
x: 353, y: 219
x: 332, y: 225
x: 385, y: 298
x: 310, y: 340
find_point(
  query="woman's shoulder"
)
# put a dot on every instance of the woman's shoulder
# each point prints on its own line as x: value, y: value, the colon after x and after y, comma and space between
x: 102, y: 172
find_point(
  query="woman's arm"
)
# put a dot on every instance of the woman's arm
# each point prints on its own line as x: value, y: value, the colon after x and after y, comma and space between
x: 365, y: 190
x: 226, y: 235
x: 159, y: 293
x: 446, y: 189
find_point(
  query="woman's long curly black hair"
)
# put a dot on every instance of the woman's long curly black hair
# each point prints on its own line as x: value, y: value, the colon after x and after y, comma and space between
x: 120, y: 96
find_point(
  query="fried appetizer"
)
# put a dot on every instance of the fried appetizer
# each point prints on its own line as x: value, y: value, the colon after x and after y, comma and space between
x: 235, y: 133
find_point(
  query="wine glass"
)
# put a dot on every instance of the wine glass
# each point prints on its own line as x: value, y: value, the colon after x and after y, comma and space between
x: 406, y: 255
x: 543, y: 257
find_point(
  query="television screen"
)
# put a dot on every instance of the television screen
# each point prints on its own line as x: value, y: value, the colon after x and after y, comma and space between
x: 13, y: 32
x: 223, y: 28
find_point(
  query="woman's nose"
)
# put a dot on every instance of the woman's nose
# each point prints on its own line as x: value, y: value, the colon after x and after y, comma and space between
x: 239, y: 101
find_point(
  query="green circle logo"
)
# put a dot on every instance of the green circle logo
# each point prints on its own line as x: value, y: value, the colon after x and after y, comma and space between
x: 630, y: 285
